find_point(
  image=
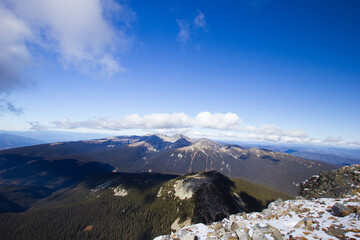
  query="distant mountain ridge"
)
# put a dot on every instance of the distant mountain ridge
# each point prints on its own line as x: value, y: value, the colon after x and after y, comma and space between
x: 8, y: 141
x: 179, y: 154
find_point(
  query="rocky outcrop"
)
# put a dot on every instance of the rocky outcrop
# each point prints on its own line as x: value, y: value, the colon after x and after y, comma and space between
x: 211, y: 192
x: 333, y: 184
x: 292, y: 219
x: 337, y: 215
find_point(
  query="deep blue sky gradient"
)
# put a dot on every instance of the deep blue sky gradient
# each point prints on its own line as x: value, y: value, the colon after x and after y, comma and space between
x: 295, y: 64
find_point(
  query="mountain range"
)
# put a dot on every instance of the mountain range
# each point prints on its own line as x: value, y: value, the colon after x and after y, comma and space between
x: 176, y: 154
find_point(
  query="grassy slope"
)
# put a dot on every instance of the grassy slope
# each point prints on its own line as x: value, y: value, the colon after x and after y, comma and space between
x: 257, y: 196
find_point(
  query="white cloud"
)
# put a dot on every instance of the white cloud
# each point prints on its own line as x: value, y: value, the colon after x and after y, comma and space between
x: 217, y: 120
x: 156, y: 121
x: 270, y: 129
x: 331, y: 139
x: 14, y: 57
x: 79, y: 32
x: 199, y: 21
x: 14, y: 54
x: 38, y: 126
x: 184, y: 32
x: 297, y: 133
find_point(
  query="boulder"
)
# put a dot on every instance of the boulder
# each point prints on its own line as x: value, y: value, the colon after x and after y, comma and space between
x: 242, y: 234
x: 234, y: 226
x: 259, y: 232
x: 336, y: 232
x: 306, y: 224
x: 340, y: 210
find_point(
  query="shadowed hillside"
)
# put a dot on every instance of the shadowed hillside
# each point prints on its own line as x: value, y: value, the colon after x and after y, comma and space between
x: 133, y: 206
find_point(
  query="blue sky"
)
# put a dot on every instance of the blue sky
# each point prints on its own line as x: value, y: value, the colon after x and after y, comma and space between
x: 263, y: 70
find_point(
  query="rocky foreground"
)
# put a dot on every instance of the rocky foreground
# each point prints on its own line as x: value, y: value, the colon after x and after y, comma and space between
x: 315, y: 218
x: 324, y: 218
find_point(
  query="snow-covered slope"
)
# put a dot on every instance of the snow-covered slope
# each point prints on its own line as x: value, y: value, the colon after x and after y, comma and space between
x: 292, y: 219
x: 331, y: 210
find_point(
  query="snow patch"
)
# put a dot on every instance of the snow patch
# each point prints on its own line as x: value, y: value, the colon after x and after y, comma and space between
x: 183, y: 190
x: 101, y: 186
x: 284, y: 216
x: 120, y: 192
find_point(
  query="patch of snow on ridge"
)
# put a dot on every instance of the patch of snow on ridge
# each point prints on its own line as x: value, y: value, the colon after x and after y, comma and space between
x: 183, y: 190
x: 101, y: 186
x: 293, y: 219
x: 170, y: 139
x: 120, y: 192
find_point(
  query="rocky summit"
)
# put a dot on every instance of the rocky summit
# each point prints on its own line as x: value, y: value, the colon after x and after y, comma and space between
x: 315, y: 218
x: 336, y: 183
x: 211, y: 191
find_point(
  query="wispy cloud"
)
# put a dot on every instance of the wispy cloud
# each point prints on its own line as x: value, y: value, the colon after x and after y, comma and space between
x: 151, y: 121
x: 188, y: 28
x: 199, y: 21
x: 6, y: 106
x: 331, y: 139
x: 184, y: 32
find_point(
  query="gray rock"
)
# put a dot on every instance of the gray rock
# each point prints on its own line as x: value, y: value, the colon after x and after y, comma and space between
x: 306, y: 223
x: 234, y: 226
x: 277, y: 203
x: 242, y: 235
x: 232, y: 218
x: 259, y: 232
x: 218, y: 226
x: 336, y: 232
x: 228, y: 236
x: 280, y: 210
x: 340, y: 210
x: 267, y: 212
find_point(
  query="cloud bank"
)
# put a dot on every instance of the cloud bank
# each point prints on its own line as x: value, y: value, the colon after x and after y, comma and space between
x: 208, y: 120
x: 204, y: 124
